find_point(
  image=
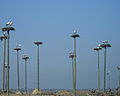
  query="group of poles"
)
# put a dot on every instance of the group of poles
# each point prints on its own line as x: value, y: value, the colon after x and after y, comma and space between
x: 6, y: 65
x: 73, y: 56
x: 26, y: 57
x: 105, y: 45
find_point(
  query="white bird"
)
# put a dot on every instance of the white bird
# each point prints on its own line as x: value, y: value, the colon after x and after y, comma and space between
x: 75, y: 31
x: 19, y: 45
x: 9, y: 23
x: 105, y: 41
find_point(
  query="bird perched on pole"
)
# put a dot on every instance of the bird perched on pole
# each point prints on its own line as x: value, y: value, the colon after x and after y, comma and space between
x: 9, y: 23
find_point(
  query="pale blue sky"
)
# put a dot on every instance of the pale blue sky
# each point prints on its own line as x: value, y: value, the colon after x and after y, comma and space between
x: 52, y: 22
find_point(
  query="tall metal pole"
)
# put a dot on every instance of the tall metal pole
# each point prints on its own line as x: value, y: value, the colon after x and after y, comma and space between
x: 8, y: 62
x: 25, y: 58
x: 18, y: 70
x: 26, y: 75
x: 38, y: 43
x: 38, y: 64
x: 4, y: 64
x: 105, y: 45
x: 105, y: 70
x: 97, y: 49
x: 75, y: 65
x: 73, y: 73
x: 4, y: 58
x: 18, y: 76
x: 71, y: 55
x: 74, y: 59
x: 98, y: 72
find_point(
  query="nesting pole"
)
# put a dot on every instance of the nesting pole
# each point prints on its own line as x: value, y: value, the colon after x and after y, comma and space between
x: 25, y: 57
x: 4, y: 59
x: 97, y: 49
x: 74, y: 59
x: 38, y: 43
x: 71, y: 55
x: 105, y: 45
x: 17, y: 49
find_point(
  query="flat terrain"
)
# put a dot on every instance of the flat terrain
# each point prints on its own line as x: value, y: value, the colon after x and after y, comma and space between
x: 66, y: 93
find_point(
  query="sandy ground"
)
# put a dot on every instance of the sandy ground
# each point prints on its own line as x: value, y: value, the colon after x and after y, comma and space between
x: 67, y: 93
